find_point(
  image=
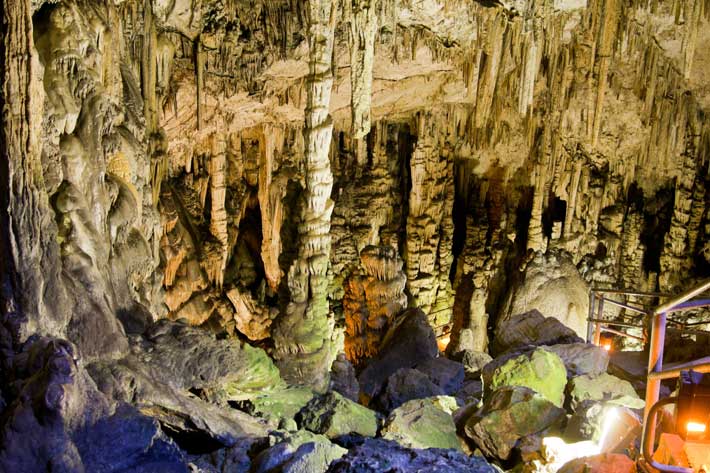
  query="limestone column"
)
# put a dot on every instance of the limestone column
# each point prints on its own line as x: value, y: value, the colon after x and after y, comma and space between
x: 304, y: 336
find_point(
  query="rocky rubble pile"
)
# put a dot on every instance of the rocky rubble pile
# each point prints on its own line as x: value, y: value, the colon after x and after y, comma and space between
x: 527, y: 409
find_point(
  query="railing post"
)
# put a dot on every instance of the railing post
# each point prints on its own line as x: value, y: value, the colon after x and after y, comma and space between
x: 590, y: 324
x: 655, y: 363
x: 598, y: 325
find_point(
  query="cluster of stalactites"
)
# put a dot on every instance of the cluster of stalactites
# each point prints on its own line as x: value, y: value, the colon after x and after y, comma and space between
x: 372, y: 299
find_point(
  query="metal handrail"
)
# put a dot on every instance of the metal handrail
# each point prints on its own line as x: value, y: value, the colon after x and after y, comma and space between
x: 656, y: 373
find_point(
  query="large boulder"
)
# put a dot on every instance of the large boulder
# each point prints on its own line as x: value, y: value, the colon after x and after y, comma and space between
x: 473, y: 362
x: 59, y: 421
x: 603, y: 387
x: 409, y: 341
x: 298, y: 452
x: 343, y: 379
x: 277, y: 405
x: 582, y: 358
x: 405, y: 385
x: 446, y: 374
x: 604, y: 463
x: 334, y: 415
x: 540, y: 370
x: 423, y: 423
x: 379, y: 455
x: 508, y: 415
x: 531, y: 328
x: 551, y: 284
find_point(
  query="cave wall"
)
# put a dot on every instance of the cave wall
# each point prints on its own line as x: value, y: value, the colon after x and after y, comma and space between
x: 166, y: 159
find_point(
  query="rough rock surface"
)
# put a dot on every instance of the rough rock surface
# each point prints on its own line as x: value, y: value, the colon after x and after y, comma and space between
x: 507, y: 415
x: 334, y: 415
x: 409, y: 342
x: 603, y: 387
x: 299, y: 452
x: 223, y: 163
x: 446, y: 374
x: 62, y: 422
x: 540, y: 370
x: 532, y: 328
x: 604, y: 463
x: 581, y: 358
x: 552, y: 285
x: 405, y: 385
x: 377, y: 455
x: 423, y: 423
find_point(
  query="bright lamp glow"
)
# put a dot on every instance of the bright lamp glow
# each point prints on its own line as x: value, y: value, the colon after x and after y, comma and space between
x: 607, y: 346
x: 695, y: 427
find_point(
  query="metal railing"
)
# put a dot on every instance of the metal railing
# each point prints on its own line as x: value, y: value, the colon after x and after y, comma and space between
x: 658, y: 320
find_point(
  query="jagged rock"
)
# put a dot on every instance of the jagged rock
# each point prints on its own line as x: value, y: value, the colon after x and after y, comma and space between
x: 532, y: 328
x: 540, y: 370
x: 423, y: 423
x: 60, y: 421
x: 299, y: 452
x: 473, y: 362
x: 234, y: 458
x: 552, y: 285
x: 405, y: 385
x: 343, y: 379
x: 603, y: 387
x: 472, y: 391
x: 278, y: 404
x: 603, y: 463
x: 409, y: 342
x: 333, y: 416
x: 446, y: 374
x: 509, y: 414
x: 377, y: 455
x: 581, y: 358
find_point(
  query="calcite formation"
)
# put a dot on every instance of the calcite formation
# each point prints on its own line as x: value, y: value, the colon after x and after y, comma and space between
x: 372, y: 300
x: 298, y: 180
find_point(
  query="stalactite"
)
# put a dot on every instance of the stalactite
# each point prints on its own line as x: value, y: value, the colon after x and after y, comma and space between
x: 306, y: 342
x: 371, y: 301
x: 607, y: 36
x: 199, y: 80
x: 429, y: 223
x: 270, y: 194
x: 694, y: 12
x: 363, y: 26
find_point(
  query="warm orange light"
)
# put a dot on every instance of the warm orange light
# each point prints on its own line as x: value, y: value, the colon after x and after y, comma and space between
x: 696, y: 427
x: 607, y: 346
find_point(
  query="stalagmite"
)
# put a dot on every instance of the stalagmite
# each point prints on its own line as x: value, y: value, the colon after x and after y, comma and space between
x: 306, y: 343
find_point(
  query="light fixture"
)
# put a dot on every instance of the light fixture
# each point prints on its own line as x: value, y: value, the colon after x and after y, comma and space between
x: 695, y: 427
x: 607, y: 346
x: 693, y: 412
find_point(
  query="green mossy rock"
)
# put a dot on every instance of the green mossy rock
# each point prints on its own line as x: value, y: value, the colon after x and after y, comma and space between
x: 423, y: 423
x: 333, y: 415
x: 603, y: 387
x: 279, y: 404
x: 508, y: 415
x: 540, y: 370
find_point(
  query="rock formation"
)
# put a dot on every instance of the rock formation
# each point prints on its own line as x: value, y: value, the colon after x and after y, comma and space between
x: 212, y: 201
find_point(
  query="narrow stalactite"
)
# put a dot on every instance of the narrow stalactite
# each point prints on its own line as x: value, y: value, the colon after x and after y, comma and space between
x: 607, y: 36
x: 363, y: 27
x: 199, y: 80
x: 270, y: 195
x: 306, y: 343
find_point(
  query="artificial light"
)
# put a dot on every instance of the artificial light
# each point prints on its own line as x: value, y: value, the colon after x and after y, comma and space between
x: 695, y: 427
